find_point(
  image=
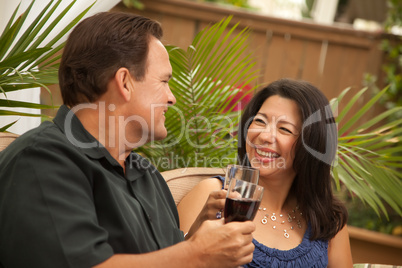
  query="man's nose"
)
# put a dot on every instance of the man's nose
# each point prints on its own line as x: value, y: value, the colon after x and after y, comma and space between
x: 171, y: 97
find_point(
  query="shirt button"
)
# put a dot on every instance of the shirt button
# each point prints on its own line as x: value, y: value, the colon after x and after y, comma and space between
x: 149, y: 218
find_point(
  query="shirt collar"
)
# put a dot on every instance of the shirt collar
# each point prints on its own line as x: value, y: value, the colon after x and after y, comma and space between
x: 137, y: 166
x: 75, y: 132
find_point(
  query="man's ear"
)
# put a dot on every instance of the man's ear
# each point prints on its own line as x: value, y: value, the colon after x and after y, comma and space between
x: 124, y: 83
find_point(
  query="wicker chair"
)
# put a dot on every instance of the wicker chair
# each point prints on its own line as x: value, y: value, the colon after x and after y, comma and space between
x: 182, y: 180
x: 368, y: 265
x: 6, y: 139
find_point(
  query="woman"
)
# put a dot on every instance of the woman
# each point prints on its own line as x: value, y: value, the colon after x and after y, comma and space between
x: 288, y: 132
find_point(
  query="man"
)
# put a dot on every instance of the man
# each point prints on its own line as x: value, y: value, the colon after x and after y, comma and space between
x: 72, y: 192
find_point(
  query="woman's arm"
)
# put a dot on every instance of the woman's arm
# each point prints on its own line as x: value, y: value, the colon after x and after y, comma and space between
x: 339, y: 254
x: 200, y: 204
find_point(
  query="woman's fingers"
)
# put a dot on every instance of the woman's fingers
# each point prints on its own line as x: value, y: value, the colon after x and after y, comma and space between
x: 215, y: 204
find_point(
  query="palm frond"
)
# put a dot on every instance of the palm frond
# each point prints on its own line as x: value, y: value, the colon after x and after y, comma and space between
x: 4, y: 128
x: 26, y: 62
x: 206, y: 77
x: 202, y: 125
x: 369, y: 155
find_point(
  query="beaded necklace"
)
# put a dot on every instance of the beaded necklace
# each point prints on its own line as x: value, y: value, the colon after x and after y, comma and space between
x: 291, y: 217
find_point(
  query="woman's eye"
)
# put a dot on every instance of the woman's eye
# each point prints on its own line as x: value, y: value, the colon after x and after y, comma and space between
x: 285, y: 130
x: 259, y: 121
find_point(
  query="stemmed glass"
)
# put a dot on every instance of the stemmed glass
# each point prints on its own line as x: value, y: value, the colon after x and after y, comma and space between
x: 238, y: 172
x: 241, y: 173
x: 242, y: 200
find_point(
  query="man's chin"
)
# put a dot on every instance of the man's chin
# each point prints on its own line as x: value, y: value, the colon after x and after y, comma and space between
x: 160, y: 136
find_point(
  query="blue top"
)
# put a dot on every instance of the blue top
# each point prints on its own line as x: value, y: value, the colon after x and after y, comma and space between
x: 308, y: 253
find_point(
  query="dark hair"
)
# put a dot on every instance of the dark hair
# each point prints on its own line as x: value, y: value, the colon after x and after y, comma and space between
x: 100, y: 45
x: 315, y: 151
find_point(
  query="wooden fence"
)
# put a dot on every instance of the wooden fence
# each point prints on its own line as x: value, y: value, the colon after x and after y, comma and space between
x: 331, y: 57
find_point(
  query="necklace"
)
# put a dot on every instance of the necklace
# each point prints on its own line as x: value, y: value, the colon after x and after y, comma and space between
x: 291, y: 218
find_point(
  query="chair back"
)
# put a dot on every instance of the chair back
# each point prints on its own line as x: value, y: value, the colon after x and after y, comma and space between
x: 370, y: 265
x: 6, y: 139
x: 182, y: 180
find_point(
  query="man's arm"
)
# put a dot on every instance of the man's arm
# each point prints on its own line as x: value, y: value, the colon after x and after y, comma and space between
x: 215, y: 244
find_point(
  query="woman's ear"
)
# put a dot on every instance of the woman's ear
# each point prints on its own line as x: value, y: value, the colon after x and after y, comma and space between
x: 124, y: 83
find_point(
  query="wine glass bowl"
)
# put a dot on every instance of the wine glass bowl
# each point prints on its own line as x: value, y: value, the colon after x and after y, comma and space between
x: 241, y: 173
x: 242, y: 200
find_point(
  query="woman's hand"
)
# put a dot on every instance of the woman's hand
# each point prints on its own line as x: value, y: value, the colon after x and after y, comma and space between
x: 202, y: 203
x: 212, y: 208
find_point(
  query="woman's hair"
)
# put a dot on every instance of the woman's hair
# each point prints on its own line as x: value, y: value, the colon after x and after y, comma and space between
x: 100, y: 45
x: 315, y: 151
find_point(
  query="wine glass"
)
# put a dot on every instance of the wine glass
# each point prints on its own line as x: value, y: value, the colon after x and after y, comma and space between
x: 241, y: 173
x: 242, y: 200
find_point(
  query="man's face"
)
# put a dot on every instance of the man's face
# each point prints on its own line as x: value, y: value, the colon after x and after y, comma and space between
x: 152, y: 96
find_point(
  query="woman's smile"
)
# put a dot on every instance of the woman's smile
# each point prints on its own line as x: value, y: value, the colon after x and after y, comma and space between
x: 272, y: 135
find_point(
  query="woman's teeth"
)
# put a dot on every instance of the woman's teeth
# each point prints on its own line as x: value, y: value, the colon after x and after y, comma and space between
x: 267, y: 154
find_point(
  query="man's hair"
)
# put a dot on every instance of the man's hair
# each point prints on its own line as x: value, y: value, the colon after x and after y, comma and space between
x: 100, y: 45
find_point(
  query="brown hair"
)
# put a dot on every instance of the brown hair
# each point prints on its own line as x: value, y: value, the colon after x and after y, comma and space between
x: 100, y: 45
x: 312, y: 185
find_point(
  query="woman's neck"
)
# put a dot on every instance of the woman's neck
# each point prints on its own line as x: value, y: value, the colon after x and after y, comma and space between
x: 277, y: 195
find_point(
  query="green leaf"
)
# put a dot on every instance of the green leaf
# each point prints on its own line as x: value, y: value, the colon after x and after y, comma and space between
x: 18, y: 68
x: 22, y: 104
x: 9, y: 35
x: 6, y: 112
x: 362, y: 111
x: 16, y: 60
x: 4, y: 128
x: 368, y: 155
x: 10, y: 21
x: 32, y: 31
x: 49, y: 29
x: 206, y: 77
x: 7, y: 38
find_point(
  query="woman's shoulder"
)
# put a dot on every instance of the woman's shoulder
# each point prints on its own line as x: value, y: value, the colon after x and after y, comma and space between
x: 339, y: 249
x: 201, y: 191
x: 220, y: 178
x: 210, y: 184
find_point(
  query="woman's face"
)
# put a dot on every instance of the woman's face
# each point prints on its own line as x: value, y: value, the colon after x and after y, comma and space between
x: 272, y: 135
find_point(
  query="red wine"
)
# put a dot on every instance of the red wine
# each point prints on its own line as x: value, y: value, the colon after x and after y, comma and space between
x: 240, y: 210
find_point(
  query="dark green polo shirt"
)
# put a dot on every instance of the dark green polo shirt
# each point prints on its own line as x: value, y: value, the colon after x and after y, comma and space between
x: 66, y: 205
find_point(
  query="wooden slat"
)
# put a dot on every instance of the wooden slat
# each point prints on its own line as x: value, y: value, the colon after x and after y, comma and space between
x: 311, y: 61
x: 330, y: 57
x: 213, y: 13
x: 374, y: 247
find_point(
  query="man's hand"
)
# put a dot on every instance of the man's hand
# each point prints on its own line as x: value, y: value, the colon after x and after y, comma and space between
x: 223, y: 245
